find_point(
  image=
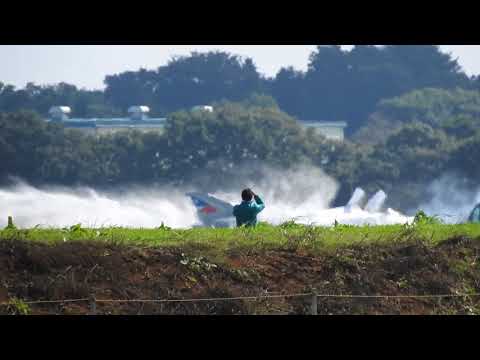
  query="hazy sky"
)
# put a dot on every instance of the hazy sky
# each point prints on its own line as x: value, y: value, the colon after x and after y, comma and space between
x: 87, y: 65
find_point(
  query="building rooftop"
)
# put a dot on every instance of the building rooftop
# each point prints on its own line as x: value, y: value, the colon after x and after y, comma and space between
x: 138, y: 109
x: 60, y: 109
x: 340, y: 124
x: 138, y: 119
x: 114, y: 123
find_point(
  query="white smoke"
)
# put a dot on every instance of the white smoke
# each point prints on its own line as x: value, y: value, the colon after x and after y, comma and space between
x: 450, y: 199
x: 288, y: 194
x: 303, y: 194
x: 58, y: 207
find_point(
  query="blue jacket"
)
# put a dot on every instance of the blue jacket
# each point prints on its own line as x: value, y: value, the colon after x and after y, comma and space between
x: 246, y: 213
x: 475, y: 215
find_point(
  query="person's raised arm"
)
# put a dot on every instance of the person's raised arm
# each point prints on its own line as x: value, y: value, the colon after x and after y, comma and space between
x: 259, y: 202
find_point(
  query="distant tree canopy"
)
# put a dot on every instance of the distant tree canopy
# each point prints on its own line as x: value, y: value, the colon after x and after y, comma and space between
x: 43, y: 152
x: 235, y: 133
x: 417, y: 148
x: 347, y: 85
x: 465, y: 157
x: 432, y: 106
x: 414, y: 113
x: 216, y: 144
x: 457, y: 111
x: 254, y: 130
x: 198, y: 79
x: 339, y: 85
x: 84, y: 103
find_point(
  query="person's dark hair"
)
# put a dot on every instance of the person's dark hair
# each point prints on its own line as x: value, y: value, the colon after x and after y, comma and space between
x: 247, y: 195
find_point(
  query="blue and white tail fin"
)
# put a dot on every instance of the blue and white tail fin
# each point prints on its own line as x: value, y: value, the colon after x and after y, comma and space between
x: 372, y: 205
x: 209, y: 208
x: 376, y: 202
x: 357, y: 200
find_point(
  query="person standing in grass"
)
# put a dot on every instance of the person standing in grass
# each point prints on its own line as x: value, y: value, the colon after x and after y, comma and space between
x: 246, y: 213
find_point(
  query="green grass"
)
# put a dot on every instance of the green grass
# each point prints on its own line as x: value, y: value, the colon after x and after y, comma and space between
x: 264, y: 236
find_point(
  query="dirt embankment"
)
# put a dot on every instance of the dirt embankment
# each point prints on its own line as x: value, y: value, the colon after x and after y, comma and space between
x: 32, y: 271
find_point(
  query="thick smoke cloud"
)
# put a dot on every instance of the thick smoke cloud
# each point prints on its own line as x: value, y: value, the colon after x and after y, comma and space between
x: 303, y: 194
x: 59, y: 207
x: 288, y: 193
x: 451, y: 199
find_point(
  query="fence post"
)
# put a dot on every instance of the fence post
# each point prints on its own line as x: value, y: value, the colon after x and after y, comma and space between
x: 314, y: 303
x: 93, y: 305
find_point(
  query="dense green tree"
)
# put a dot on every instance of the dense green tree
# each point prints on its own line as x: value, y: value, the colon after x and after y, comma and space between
x: 440, y: 108
x: 432, y: 106
x: 186, y: 81
x: 461, y: 126
x: 422, y: 111
x: 466, y: 156
x: 131, y: 88
x: 417, y: 152
x: 428, y: 65
x: 255, y: 130
x: 260, y: 100
x: 218, y: 143
x: 235, y: 134
x: 289, y: 90
x: 41, y: 98
x: 338, y: 84
x: 347, y: 85
x: 328, y: 82
x: 475, y: 82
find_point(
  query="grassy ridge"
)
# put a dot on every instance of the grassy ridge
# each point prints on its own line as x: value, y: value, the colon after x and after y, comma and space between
x: 263, y: 236
x: 425, y: 257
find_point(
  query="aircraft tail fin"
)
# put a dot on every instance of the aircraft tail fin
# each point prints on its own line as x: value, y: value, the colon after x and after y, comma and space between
x: 207, y: 205
x: 357, y: 199
x: 376, y: 202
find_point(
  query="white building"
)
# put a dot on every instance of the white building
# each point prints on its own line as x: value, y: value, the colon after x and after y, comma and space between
x: 138, y: 112
x: 138, y: 120
x: 203, y: 108
x: 59, y: 113
x: 332, y: 130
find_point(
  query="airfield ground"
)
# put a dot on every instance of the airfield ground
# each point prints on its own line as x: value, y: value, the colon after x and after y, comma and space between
x: 131, y: 264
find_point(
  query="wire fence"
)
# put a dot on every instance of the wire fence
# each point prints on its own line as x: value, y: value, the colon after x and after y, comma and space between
x: 313, y: 297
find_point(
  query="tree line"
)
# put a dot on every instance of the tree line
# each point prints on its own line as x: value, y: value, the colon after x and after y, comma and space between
x: 413, y: 115
x: 433, y: 131
x: 339, y: 85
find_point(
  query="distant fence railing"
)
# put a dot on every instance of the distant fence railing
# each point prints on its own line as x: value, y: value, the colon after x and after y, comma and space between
x: 92, y: 301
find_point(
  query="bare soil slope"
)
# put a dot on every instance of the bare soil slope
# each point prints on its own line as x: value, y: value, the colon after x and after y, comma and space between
x: 33, y: 271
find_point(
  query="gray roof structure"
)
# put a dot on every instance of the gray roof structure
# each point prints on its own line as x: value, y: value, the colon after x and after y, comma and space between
x: 337, y: 124
x: 138, y: 120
